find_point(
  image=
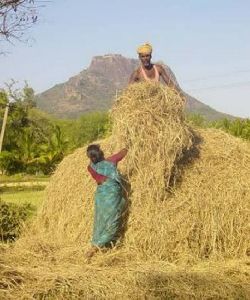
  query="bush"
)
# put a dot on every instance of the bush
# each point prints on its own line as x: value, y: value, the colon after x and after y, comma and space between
x: 10, y: 163
x: 12, y: 217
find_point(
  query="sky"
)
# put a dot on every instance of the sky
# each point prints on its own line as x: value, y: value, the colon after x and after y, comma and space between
x: 205, y: 42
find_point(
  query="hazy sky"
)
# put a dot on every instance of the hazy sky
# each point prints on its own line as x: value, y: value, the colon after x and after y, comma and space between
x: 205, y: 42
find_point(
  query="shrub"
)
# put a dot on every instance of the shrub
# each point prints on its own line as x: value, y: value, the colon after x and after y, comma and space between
x: 12, y: 217
x: 10, y: 163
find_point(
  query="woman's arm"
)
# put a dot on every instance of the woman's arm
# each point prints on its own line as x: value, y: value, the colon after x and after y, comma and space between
x: 97, y: 177
x: 118, y: 156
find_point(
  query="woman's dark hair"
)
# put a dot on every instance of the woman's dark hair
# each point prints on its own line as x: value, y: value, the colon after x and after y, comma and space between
x: 95, y: 153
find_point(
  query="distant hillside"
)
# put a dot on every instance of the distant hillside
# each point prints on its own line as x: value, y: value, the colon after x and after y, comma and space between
x: 94, y: 89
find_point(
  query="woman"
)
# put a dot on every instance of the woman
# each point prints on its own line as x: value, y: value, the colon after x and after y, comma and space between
x: 109, y: 203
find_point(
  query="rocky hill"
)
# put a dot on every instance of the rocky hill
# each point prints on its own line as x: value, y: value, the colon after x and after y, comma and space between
x: 94, y: 89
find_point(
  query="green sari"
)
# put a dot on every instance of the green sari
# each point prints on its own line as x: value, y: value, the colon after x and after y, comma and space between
x: 109, y: 205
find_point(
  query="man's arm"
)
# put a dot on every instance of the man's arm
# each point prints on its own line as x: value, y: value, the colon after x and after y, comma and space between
x: 134, y: 77
x: 169, y: 82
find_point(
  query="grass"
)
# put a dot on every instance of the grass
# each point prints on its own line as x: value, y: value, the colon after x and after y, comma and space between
x: 23, y: 178
x: 32, y: 194
x: 20, y: 188
x: 19, y: 196
x: 35, y: 198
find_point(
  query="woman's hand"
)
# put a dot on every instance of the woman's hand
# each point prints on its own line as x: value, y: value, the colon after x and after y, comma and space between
x: 124, y: 152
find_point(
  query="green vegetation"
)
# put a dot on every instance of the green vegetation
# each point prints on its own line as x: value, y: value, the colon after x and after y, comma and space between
x: 22, y: 177
x: 30, y: 138
x: 32, y: 197
x: 17, y: 207
x: 87, y: 128
x: 237, y: 127
x: 35, y: 142
x: 12, y: 217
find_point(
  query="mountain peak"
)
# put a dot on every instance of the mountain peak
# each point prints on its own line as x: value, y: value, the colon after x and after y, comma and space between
x: 94, y: 88
x: 113, y: 66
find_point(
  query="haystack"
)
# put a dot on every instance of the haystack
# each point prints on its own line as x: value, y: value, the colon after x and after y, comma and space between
x: 187, y: 222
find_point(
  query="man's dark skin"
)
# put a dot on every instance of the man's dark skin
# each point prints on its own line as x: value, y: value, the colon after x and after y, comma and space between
x: 147, y: 66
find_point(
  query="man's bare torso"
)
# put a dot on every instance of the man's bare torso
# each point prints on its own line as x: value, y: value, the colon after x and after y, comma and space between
x: 149, y: 74
x: 137, y: 75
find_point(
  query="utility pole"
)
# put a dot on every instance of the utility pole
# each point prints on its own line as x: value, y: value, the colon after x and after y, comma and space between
x: 4, y: 125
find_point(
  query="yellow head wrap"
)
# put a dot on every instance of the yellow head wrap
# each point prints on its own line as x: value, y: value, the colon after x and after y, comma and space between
x: 145, y: 49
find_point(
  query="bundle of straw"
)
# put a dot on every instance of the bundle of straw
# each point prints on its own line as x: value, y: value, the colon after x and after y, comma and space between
x: 149, y: 120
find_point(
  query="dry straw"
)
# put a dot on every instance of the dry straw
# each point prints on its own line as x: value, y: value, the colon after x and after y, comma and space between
x: 186, y: 231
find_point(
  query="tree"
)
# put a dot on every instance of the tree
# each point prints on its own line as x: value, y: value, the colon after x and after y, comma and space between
x: 53, y: 151
x: 17, y: 118
x: 91, y: 127
x: 28, y: 97
x: 16, y: 16
x: 3, y: 99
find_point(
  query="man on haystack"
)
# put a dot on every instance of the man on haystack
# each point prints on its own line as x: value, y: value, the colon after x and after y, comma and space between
x: 151, y: 72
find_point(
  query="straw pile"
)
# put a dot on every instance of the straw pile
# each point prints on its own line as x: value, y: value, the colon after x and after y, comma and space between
x: 187, y: 231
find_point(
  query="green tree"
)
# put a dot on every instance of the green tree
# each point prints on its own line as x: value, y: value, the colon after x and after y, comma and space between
x: 91, y: 127
x: 3, y: 100
x: 28, y: 131
x: 53, y: 151
x: 28, y: 97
